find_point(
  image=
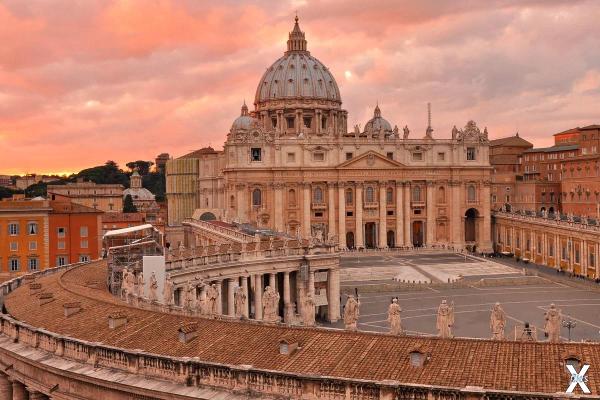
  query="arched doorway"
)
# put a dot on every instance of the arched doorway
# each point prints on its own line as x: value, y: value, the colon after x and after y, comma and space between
x: 471, y: 225
x: 350, y: 240
x: 417, y: 233
x: 543, y: 209
x: 370, y: 235
x: 391, y: 239
x: 551, y: 210
x: 208, y: 216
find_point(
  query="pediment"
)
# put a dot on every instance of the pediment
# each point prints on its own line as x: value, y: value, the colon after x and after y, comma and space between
x: 370, y: 160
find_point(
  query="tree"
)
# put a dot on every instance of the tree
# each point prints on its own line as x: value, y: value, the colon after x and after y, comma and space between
x: 143, y: 167
x: 107, y: 173
x: 128, y: 206
x: 8, y: 192
x: 155, y: 182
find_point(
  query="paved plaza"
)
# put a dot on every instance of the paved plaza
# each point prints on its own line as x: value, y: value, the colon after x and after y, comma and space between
x: 472, y: 304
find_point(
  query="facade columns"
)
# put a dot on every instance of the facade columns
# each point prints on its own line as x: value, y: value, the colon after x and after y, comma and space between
x: 359, y: 234
x: 306, y: 232
x: 288, y: 311
x: 430, y: 214
x: 18, y: 391
x: 231, y: 297
x: 278, y: 217
x: 399, y: 215
x: 455, y: 220
x: 258, y: 290
x: 407, y: 211
x: 219, y: 297
x: 382, y: 216
x: 272, y: 281
x: 6, y: 392
x: 245, y: 312
x: 331, y: 210
x: 333, y: 292
x: 486, y: 244
x: 342, y: 216
x: 242, y: 202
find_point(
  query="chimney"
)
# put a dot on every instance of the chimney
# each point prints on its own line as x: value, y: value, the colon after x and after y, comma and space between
x: 187, y: 332
x: 117, y: 319
x: 46, y: 298
x: 34, y: 288
x: 71, y: 308
x: 288, y: 346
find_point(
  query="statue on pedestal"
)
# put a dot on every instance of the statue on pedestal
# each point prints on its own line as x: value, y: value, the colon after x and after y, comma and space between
x: 153, y: 295
x: 351, y: 313
x: 189, y: 296
x: 497, y: 322
x: 212, y: 294
x: 445, y: 320
x: 406, y: 131
x: 125, y: 289
x: 552, y: 325
x: 140, y: 284
x: 270, y: 302
x: 308, y: 310
x: 168, y: 291
x: 394, y: 311
x: 239, y: 301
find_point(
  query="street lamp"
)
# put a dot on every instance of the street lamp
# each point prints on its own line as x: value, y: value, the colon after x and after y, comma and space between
x: 569, y: 324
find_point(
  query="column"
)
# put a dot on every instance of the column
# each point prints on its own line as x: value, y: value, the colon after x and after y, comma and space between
x: 359, y: 234
x: 382, y: 216
x: 35, y: 395
x: 231, y: 297
x: 288, y: 311
x: 273, y: 281
x: 342, y: 215
x: 596, y: 248
x: 242, y: 204
x: 407, y: 212
x: 455, y: 220
x: 245, y: 290
x: 299, y: 293
x: 278, y: 217
x: 306, y: 233
x: 311, y: 283
x: 258, y: 289
x: 486, y: 245
x: 331, y: 209
x: 18, y: 391
x: 399, y: 215
x: 333, y: 294
x: 430, y: 214
x: 6, y: 392
x: 318, y: 121
x: 557, y: 251
x: 219, y: 297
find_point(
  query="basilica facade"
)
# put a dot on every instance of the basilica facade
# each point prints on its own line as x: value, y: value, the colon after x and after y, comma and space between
x: 293, y: 165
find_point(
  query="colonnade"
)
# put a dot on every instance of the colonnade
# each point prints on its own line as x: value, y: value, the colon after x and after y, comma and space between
x: 12, y: 389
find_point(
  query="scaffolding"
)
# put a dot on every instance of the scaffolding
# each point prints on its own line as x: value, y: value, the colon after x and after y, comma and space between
x: 126, y: 248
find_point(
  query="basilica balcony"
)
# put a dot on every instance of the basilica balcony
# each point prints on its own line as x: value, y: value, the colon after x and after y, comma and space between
x: 371, y: 204
x: 319, y: 206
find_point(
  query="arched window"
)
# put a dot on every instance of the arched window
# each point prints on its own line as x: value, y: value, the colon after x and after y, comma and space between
x: 441, y: 197
x: 417, y: 193
x: 292, y: 197
x: 369, y: 195
x: 256, y: 197
x: 471, y: 194
x: 349, y: 197
x: 317, y: 195
x: 389, y: 196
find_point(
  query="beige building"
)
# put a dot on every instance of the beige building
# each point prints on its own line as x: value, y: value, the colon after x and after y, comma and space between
x: 104, y: 197
x: 293, y: 165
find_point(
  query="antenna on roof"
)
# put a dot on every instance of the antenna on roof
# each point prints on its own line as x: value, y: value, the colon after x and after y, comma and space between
x: 429, y: 115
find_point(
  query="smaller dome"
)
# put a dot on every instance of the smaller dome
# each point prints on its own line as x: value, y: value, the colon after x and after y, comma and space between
x: 139, y: 194
x: 377, y: 122
x: 244, y: 121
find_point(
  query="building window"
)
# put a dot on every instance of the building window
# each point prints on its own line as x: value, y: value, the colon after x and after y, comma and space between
x: 14, y: 264
x: 417, y: 156
x: 564, y: 253
x: 307, y: 122
x: 319, y: 156
x: 84, y: 244
x: 274, y: 122
x: 83, y: 231
x: 291, y: 157
x: 232, y: 202
x: 255, y: 154
x: 494, y: 199
x: 292, y: 197
x: 349, y: 156
x: 32, y: 246
x: 518, y: 244
x: 323, y: 122
x: 32, y: 228
x: 390, y: 155
x: 369, y: 194
x: 14, y: 246
x: 33, y: 264
x: 389, y: 196
x: 416, y: 193
x: 61, y: 260
x: 591, y: 260
x: 441, y: 197
x: 349, y: 213
x: 84, y: 258
x: 441, y: 156
x: 256, y: 197
x: 551, y: 249
x: 60, y: 232
x: 470, y: 153
x: 318, y: 195
x: 318, y: 214
x: 290, y: 122
x: 61, y: 244
x: 13, y: 229
x: 349, y: 197
x: 471, y: 194
x: 577, y: 254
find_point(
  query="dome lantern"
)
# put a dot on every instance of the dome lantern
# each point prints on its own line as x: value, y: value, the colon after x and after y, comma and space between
x: 296, y: 41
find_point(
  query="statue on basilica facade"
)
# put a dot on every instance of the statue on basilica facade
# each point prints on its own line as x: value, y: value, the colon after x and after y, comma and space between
x: 153, y: 288
x: 270, y: 304
x: 140, y: 284
x: 394, y: 311
x: 168, y: 291
x: 125, y: 288
x: 212, y: 294
x: 396, y: 133
x: 445, y: 319
x: 454, y: 132
x: 239, y: 301
x: 189, y: 294
x: 308, y: 310
x: 406, y: 131
x: 357, y: 130
x: 497, y: 322
x: 553, y: 321
x: 351, y: 313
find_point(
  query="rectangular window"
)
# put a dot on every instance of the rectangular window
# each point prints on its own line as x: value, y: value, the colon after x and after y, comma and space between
x: 84, y: 258
x: 83, y: 231
x: 349, y: 156
x: 592, y: 260
x: 577, y: 254
x: 290, y: 122
x: 390, y: 212
x: 417, y: 212
x: 307, y: 122
x: 319, y: 156
x: 14, y: 264
x: 564, y: 253
x: 551, y: 249
x: 417, y: 156
x: 323, y: 122
x: 291, y: 157
x: 470, y: 153
x: 33, y: 264
x: 84, y: 244
x: 61, y: 244
x: 390, y: 155
x: 255, y: 154
x: 318, y: 214
x: 61, y: 260
x: 274, y: 122
x: 13, y: 229
x: 349, y: 213
x: 441, y: 156
x: 60, y: 231
x: 14, y: 246
x: 32, y: 246
x: 32, y: 228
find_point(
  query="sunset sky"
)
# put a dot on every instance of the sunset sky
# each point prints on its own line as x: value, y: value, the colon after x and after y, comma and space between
x: 82, y: 82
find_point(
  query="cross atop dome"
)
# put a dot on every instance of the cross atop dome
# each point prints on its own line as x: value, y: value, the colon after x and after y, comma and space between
x: 296, y: 41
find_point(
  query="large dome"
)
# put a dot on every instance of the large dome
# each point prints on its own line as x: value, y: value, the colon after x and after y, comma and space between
x: 297, y: 75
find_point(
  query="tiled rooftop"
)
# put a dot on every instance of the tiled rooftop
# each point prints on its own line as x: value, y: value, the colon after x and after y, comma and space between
x: 511, y: 366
